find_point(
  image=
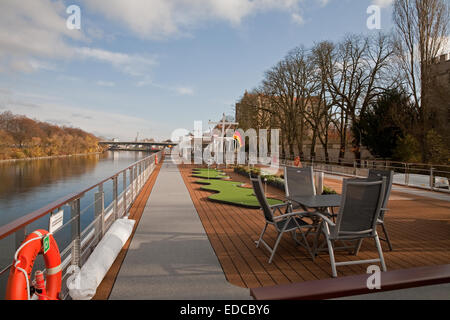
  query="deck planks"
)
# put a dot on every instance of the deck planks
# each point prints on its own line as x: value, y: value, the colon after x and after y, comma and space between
x: 419, y: 228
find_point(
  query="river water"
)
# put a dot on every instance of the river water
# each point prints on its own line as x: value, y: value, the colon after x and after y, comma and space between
x: 29, y: 185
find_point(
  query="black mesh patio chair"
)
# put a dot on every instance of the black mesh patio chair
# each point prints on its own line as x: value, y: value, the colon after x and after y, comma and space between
x: 298, y: 182
x: 357, y: 220
x: 286, y: 221
x: 389, y: 175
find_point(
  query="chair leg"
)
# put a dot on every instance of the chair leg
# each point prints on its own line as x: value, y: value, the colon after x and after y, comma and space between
x: 386, y: 236
x: 305, y: 240
x: 276, y: 246
x: 326, y: 233
x: 358, y: 246
x: 280, y: 234
x: 316, y: 239
x: 332, y: 261
x: 261, y: 236
x: 380, y: 253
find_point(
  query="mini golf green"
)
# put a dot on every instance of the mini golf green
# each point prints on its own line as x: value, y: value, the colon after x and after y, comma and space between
x: 208, y: 173
x: 231, y: 192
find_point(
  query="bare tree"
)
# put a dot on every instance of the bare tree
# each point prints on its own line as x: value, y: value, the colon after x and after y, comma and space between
x: 321, y: 117
x: 422, y: 30
x: 282, y: 89
x: 355, y: 78
x: 307, y: 84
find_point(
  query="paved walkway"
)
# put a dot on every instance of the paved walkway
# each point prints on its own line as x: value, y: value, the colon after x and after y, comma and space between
x: 170, y: 256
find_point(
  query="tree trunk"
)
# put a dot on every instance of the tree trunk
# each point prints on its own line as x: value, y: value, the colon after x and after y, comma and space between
x: 291, y: 150
x: 357, y: 153
x: 325, y: 148
x: 342, y: 146
x: 283, y: 151
x: 300, y: 140
x: 312, y: 153
x: 357, y: 145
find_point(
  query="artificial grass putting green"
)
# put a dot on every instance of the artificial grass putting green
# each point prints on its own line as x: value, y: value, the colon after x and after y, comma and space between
x: 208, y: 173
x: 231, y: 192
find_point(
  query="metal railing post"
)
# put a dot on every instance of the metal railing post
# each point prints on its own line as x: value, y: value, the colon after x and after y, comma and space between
x: 115, y: 199
x: 145, y: 164
x: 124, y: 181
x: 143, y: 173
x: 432, y: 178
x: 75, y: 231
x: 144, y: 167
x: 406, y: 169
x: 131, y: 186
x: 139, y: 168
x: 138, y: 179
x: 99, y: 211
x: 134, y: 182
x: 407, y: 174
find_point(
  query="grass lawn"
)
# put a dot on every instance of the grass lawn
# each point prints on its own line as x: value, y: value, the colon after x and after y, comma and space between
x: 208, y: 173
x: 231, y: 192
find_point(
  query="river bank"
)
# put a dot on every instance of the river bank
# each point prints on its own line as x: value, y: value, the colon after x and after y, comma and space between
x: 50, y: 157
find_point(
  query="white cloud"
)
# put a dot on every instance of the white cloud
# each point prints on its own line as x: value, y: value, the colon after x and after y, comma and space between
x: 162, y: 18
x: 135, y: 65
x: 31, y: 31
x: 53, y: 109
x: 298, y: 18
x: 34, y: 32
x: 383, y: 3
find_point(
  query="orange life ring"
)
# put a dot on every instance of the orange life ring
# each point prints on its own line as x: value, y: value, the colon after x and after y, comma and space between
x: 17, y: 287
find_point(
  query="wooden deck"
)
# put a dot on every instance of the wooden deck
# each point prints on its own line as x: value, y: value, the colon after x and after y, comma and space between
x: 419, y: 228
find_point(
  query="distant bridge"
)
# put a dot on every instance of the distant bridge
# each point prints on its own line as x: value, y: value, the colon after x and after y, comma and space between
x: 136, y: 145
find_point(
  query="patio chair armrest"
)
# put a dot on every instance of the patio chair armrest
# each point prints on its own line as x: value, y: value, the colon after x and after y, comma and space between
x: 322, y: 216
x: 292, y: 214
x: 281, y: 205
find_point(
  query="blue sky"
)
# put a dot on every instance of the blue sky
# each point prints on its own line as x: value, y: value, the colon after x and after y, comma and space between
x: 154, y: 66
